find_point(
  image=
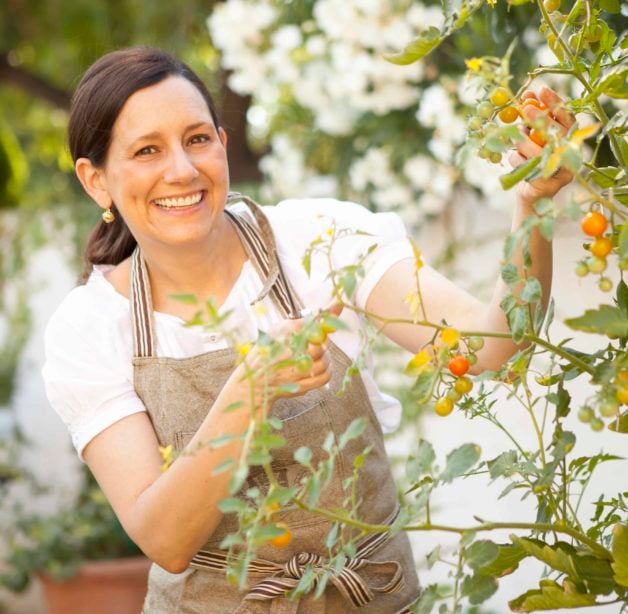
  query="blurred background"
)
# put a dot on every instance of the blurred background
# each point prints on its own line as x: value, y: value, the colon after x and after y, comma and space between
x: 311, y: 109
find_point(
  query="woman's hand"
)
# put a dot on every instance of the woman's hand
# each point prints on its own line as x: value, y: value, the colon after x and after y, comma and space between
x: 557, y: 116
x: 309, y: 371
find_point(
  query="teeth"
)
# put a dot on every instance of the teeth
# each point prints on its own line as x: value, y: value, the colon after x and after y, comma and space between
x: 179, y: 202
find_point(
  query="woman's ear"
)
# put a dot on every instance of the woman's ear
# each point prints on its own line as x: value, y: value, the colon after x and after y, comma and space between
x: 223, y: 137
x: 93, y: 182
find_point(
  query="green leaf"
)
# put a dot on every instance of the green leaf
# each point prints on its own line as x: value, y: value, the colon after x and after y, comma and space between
x: 506, y: 561
x: 460, y: 460
x: 238, y: 478
x: 354, y: 430
x: 481, y: 553
x: 606, y: 320
x: 546, y: 227
x: 270, y: 440
x: 503, y: 465
x: 619, y: 550
x: 511, y: 179
x: 622, y: 241
x: 531, y: 292
x: 424, y: 385
x: 558, y: 556
x: 564, y: 444
x: 478, y: 588
x: 510, y: 274
x: 427, y: 600
x: 303, y: 456
x: 604, y: 176
x: 622, y: 296
x: 596, y: 574
x: 421, y: 462
x: 518, y: 319
x: 433, y: 557
x: 348, y: 283
x: 232, y: 504
x: 418, y: 48
x: 549, y: 598
x: 620, y: 425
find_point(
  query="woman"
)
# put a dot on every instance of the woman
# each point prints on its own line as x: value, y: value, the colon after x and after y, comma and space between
x: 127, y: 377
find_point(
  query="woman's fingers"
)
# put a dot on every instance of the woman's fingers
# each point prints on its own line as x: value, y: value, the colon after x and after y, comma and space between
x: 557, y: 107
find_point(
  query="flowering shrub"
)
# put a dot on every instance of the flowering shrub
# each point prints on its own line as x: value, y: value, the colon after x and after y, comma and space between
x: 366, y: 139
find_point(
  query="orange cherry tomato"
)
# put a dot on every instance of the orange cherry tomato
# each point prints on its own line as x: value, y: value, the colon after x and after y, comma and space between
x: 594, y: 224
x: 281, y: 541
x: 458, y: 365
x: 601, y: 247
x: 508, y: 115
x: 537, y: 137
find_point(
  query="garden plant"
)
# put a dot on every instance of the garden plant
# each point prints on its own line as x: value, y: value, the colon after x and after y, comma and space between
x: 586, y: 559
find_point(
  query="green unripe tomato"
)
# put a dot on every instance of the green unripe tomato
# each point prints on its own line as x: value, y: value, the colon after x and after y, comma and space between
x: 605, y: 284
x: 475, y: 123
x: 454, y: 395
x: 623, y: 264
x: 495, y: 157
x: 472, y: 359
x: 596, y: 265
x: 484, y: 153
x: 597, y: 424
x: 593, y: 33
x: 475, y: 343
x: 485, y: 110
x: 609, y: 408
x: 582, y: 270
x: 585, y: 414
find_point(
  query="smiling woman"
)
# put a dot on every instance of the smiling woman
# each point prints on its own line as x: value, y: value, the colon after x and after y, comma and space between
x: 129, y: 379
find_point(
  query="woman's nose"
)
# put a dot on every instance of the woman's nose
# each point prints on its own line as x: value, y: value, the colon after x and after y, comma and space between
x: 180, y: 168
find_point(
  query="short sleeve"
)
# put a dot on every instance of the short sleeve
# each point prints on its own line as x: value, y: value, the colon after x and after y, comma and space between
x: 378, y: 240
x: 88, y: 368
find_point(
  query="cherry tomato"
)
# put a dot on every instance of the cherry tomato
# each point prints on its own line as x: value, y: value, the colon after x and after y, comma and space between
x: 594, y: 224
x: 305, y: 363
x: 585, y: 414
x: 533, y: 102
x: 475, y: 343
x: 485, y: 110
x: 605, y: 284
x: 596, y: 265
x: 582, y: 270
x: 537, y: 137
x: 551, y: 5
x: 601, y: 247
x: 281, y: 541
x: 609, y: 408
x: 597, y: 424
x: 463, y: 385
x: 458, y: 365
x: 622, y: 395
x: 500, y: 96
x: 444, y: 406
x: 317, y: 336
x: 495, y: 157
x: 508, y: 115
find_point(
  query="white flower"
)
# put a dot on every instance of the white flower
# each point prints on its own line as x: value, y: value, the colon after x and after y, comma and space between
x: 419, y: 170
x: 287, y: 37
x: 434, y: 102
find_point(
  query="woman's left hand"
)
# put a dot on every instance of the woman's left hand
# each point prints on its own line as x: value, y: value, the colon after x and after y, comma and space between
x: 529, y: 192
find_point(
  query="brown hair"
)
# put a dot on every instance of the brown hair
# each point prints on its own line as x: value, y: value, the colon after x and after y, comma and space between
x: 96, y: 104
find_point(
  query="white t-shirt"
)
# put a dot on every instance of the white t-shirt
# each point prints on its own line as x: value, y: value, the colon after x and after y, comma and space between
x: 88, y: 371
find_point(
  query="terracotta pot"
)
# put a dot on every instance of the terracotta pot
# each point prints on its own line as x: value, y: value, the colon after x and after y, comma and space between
x: 99, y: 587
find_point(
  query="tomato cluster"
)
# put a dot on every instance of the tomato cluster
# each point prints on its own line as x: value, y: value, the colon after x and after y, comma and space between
x: 594, y: 225
x: 608, y: 404
x: 458, y: 364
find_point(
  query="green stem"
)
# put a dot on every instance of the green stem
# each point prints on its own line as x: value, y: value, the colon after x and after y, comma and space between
x: 541, y: 527
x: 598, y: 197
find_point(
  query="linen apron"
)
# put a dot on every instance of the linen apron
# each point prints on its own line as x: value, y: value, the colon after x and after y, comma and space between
x: 178, y: 394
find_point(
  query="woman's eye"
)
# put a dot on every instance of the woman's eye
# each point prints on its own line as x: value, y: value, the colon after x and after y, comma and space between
x: 149, y: 149
x: 200, y: 138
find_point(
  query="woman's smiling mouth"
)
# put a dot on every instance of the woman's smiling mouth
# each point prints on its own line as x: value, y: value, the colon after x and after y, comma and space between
x: 179, y: 202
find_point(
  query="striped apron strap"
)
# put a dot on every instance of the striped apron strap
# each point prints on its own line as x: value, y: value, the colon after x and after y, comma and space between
x: 259, y: 243
x: 283, y: 577
x: 141, y: 308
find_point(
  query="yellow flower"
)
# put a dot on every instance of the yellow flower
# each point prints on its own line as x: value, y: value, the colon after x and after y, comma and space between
x: 450, y: 336
x: 492, y: 3
x: 417, y: 362
x: 166, y: 456
x: 329, y: 232
x: 244, y: 349
x: 474, y: 64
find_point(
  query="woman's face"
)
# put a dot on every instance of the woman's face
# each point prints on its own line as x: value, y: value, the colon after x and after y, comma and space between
x: 166, y: 168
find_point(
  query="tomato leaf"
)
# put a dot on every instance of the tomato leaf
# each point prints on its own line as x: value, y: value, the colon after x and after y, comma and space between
x: 549, y: 598
x: 418, y: 48
x: 478, y: 588
x: 481, y: 553
x: 519, y: 173
x: 460, y: 460
x: 506, y: 561
x: 606, y: 320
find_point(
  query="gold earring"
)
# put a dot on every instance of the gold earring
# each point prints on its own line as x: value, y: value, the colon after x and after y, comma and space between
x: 108, y: 216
